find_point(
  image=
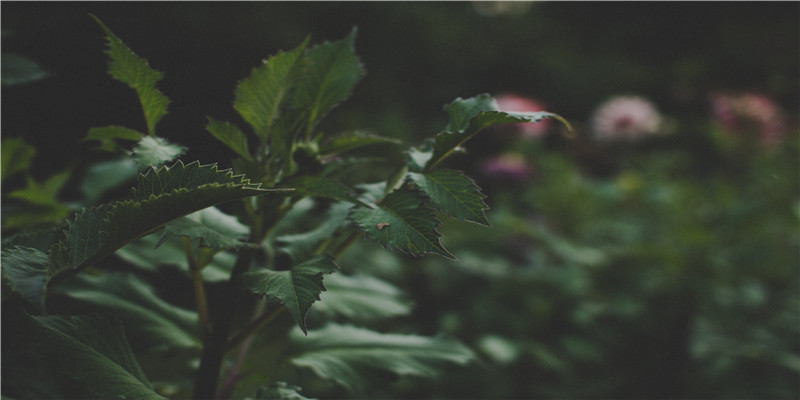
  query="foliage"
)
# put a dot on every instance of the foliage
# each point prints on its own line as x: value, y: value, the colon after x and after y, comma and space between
x: 94, y: 310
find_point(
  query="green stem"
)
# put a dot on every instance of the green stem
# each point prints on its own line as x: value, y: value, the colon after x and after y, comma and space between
x: 199, y: 288
x: 215, y: 344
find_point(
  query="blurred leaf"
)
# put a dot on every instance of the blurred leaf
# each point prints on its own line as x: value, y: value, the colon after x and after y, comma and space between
x: 88, y: 355
x: 402, y: 221
x: 113, y: 132
x: 26, y: 270
x: 230, y: 135
x: 210, y: 226
x: 151, y: 323
x: 320, y: 186
x: 45, y: 193
x: 17, y: 70
x: 154, y: 151
x: 302, y: 245
x: 259, y: 97
x: 362, y: 297
x: 278, y: 391
x: 455, y: 194
x: 296, y: 289
x: 353, y: 141
x: 333, y: 71
x: 17, y: 156
x: 143, y: 254
x: 102, y: 177
x: 127, y: 67
x: 346, y: 354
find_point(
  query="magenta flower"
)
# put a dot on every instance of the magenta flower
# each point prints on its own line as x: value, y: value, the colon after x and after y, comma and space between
x: 625, y: 118
x: 752, y: 112
x: 515, y: 103
x: 508, y: 166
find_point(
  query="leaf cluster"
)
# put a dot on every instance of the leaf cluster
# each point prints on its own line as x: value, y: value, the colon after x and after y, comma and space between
x: 289, y: 211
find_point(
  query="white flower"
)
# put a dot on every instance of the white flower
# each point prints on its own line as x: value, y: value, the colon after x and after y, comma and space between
x: 625, y: 118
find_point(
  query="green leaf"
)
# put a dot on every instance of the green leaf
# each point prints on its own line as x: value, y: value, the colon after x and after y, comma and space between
x: 354, y: 141
x: 333, y: 71
x: 127, y: 67
x: 230, y: 135
x: 26, y: 270
x: 88, y: 355
x: 259, y: 98
x: 319, y: 186
x: 346, y: 354
x: 143, y: 254
x: 17, y: 70
x: 469, y: 117
x: 278, y: 391
x: 102, y: 177
x: 296, y: 289
x: 455, y: 194
x: 401, y: 221
x: 161, y: 195
x: 153, y: 151
x: 362, y: 297
x: 113, y: 132
x: 45, y: 193
x: 302, y: 245
x: 461, y: 111
x: 210, y: 227
x: 17, y: 156
x: 151, y: 323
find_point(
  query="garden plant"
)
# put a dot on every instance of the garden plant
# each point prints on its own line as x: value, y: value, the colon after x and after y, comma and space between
x: 87, y: 312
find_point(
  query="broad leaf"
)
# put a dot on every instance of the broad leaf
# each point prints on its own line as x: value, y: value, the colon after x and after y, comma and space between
x: 278, y: 391
x: 362, y: 298
x: 296, y: 288
x: 354, y: 141
x: 346, y: 354
x: 402, y: 221
x: 259, y: 98
x: 127, y: 67
x: 319, y: 186
x: 17, y: 70
x: 161, y: 195
x: 302, y: 245
x: 88, y: 355
x: 332, y: 73
x: 151, y: 323
x: 143, y: 254
x: 102, y: 177
x: 17, y: 156
x: 230, y: 135
x: 153, y: 151
x: 455, y: 194
x: 26, y: 271
x: 461, y: 111
x: 210, y: 227
x: 469, y: 117
x: 113, y: 132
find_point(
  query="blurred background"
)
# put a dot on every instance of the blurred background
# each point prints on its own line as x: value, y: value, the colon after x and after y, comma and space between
x: 651, y: 253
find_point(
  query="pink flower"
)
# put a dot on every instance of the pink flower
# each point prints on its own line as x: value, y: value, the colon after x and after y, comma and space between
x: 515, y: 103
x: 508, y: 166
x: 749, y: 111
x: 625, y: 118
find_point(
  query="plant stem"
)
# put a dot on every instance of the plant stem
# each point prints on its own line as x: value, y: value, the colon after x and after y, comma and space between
x: 215, y: 344
x: 199, y: 288
x: 253, y: 327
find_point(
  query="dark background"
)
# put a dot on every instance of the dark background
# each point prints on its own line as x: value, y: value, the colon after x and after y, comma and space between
x: 418, y: 55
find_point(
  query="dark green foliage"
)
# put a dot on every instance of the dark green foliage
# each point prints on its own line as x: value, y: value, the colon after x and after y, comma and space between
x: 282, y: 219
